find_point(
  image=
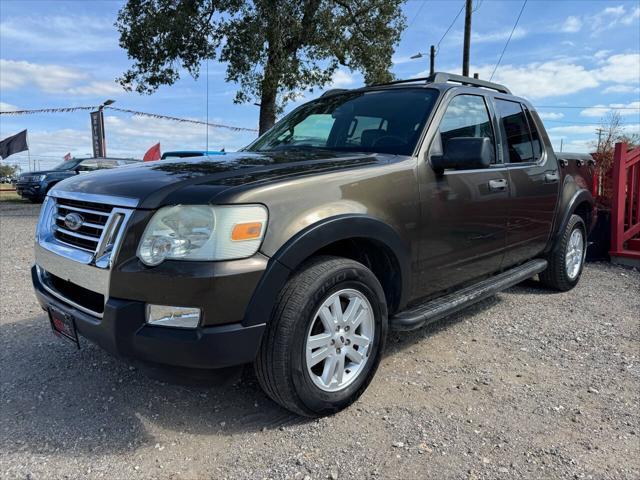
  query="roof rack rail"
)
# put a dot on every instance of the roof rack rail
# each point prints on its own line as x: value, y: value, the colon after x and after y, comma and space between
x: 443, y: 77
x: 333, y: 91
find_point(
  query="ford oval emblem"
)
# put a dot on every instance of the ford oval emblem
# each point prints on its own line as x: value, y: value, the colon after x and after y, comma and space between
x: 73, y: 221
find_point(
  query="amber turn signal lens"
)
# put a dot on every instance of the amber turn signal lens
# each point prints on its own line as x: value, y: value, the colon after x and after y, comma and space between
x: 246, y: 231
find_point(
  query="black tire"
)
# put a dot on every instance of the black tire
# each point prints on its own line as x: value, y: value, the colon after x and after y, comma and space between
x: 556, y: 275
x: 281, y: 366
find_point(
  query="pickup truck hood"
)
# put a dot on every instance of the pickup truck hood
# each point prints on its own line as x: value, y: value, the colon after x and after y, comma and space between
x: 199, y: 179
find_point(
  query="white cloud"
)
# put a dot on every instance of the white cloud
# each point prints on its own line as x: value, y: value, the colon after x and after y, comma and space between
x: 632, y: 108
x: 96, y: 88
x: 563, y: 77
x: 612, y: 17
x: 571, y: 130
x: 601, y: 54
x: 621, y: 89
x: 631, y: 17
x: 127, y: 136
x: 606, y: 19
x: 558, y: 132
x: 56, y: 33
x: 539, y: 80
x: 495, y: 36
x: 55, y: 79
x: 7, y: 107
x: 342, y: 79
x: 620, y: 68
x: 551, y: 115
x: 498, y: 36
x: 571, y: 25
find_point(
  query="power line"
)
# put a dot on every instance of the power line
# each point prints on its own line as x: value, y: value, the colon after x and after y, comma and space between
x: 568, y: 122
x: 415, y: 16
x: 597, y: 107
x: 450, y: 26
x: 508, y: 40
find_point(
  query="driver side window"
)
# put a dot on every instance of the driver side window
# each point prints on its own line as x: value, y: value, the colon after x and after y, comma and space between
x: 466, y: 116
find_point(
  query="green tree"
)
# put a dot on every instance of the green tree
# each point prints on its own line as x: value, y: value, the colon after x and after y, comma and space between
x: 273, y: 49
x: 7, y: 170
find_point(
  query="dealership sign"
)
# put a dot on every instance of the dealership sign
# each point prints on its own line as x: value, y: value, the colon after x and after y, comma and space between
x: 97, y: 134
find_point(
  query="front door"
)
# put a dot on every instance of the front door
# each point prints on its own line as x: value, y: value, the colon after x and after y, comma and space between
x: 464, y: 212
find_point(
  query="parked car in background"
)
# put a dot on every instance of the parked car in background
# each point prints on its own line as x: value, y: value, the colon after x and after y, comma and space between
x: 35, y: 185
x: 384, y: 207
x: 191, y: 153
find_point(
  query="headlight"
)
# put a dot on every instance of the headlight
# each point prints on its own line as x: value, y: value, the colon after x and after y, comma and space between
x: 203, y: 232
x: 38, y: 178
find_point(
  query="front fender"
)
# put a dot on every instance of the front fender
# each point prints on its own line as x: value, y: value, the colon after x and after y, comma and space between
x: 312, y: 239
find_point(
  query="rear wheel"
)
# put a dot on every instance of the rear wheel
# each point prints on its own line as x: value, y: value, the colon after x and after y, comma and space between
x: 567, y: 258
x: 325, y: 338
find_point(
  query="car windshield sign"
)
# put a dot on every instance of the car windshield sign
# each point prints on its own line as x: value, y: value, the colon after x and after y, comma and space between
x: 381, y: 121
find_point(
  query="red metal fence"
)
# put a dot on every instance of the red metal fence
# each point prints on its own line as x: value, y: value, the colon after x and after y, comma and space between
x: 625, y: 207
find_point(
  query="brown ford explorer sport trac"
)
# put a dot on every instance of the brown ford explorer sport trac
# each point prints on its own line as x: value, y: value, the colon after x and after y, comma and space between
x: 385, y: 207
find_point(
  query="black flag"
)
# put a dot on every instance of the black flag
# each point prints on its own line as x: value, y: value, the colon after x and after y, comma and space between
x: 16, y: 143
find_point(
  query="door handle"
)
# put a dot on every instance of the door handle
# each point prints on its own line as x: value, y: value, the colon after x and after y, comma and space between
x: 551, y: 177
x: 498, y: 185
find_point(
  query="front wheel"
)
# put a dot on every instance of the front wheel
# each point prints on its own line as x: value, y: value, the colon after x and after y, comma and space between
x: 325, y: 339
x: 567, y: 258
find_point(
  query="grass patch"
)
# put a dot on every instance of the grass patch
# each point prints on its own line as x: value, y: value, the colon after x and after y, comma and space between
x: 11, y: 196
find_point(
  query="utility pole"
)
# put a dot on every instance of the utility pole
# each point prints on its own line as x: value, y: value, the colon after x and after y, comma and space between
x: 467, y: 38
x: 599, y: 131
x: 432, y: 60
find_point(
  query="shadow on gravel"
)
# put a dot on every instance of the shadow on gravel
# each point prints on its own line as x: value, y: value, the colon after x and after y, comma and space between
x: 400, y: 340
x: 55, y: 398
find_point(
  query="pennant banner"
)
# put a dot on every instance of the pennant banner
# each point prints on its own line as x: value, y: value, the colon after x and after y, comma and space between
x: 132, y: 112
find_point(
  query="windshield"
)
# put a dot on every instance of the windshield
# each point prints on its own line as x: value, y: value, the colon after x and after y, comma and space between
x: 67, y: 164
x: 382, y: 121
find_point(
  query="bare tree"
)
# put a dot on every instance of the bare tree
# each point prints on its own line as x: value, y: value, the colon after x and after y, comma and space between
x: 611, y: 132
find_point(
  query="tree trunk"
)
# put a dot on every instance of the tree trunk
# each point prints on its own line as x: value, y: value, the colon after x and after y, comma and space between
x: 267, y: 107
x: 269, y: 92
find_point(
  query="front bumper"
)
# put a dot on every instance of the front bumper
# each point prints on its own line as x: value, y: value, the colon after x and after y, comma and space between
x: 30, y: 190
x: 123, y: 332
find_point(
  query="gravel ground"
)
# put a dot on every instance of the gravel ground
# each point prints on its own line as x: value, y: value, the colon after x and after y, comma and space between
x: 528, y: 384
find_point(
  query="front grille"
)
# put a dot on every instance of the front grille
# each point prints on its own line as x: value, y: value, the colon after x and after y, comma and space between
x: 91, y: 301
x: 94, y: 219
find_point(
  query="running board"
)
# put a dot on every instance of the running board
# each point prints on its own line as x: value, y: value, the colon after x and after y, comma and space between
x: 433, y: 310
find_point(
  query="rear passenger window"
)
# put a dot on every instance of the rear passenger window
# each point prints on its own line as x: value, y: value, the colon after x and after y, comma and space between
x: 535, y: 136
x: 466, y: 116
x: 515, y: 131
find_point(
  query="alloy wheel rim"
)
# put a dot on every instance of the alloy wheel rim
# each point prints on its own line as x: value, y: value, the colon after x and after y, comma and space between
x: 575, y: 254
x: 339, y: 339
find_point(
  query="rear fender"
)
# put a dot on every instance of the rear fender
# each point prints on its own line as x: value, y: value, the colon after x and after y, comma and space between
x: 572, y: 196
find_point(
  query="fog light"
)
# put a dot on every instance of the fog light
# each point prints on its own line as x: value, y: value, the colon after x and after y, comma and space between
x: 167, y: 316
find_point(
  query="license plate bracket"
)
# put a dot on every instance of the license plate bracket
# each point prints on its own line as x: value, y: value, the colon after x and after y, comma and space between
x: 64, y: 325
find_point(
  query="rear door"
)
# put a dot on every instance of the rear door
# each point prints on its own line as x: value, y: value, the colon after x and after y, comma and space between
x: 464, y: 212
x: 533, y: 179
